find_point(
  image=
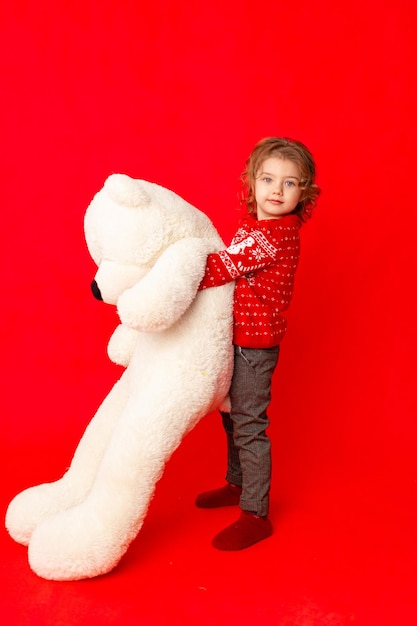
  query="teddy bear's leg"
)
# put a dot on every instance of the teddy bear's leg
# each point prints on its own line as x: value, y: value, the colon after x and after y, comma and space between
x: 33, y: 505
x: 90, y: 539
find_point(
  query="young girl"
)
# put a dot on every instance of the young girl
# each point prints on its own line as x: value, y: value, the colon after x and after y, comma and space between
x: 262, y: 259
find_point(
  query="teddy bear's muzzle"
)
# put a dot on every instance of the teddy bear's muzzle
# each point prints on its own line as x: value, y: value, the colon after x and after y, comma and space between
x: 96, y: 291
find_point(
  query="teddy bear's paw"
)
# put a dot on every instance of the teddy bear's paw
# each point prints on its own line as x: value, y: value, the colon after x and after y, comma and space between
x: 31, y: 506
x: 76, y: 544
x: 122, y: 345
x: 164, y: 294
x: 130, y: 312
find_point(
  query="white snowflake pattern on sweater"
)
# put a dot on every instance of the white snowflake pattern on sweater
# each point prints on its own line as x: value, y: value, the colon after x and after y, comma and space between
x: 262, y: 259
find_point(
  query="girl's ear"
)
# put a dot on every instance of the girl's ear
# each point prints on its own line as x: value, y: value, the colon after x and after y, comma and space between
x: 305, y: 191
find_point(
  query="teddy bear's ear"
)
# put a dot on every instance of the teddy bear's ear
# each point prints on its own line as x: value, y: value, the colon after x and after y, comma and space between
x: 126, y: 191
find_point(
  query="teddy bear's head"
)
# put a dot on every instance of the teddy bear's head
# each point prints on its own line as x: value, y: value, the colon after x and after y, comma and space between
x: 129, y: 224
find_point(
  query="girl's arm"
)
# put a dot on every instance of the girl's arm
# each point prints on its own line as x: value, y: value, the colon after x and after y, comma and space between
x: 252, y: 253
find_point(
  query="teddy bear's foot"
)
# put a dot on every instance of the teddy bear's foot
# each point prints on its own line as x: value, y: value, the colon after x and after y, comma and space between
x: 77, y: 544
x: 32, y: 506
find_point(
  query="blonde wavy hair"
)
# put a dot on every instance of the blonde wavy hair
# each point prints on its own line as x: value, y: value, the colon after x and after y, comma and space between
x: 283, y: 148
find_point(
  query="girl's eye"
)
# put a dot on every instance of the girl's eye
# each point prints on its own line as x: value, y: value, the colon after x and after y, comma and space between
x: 267, y: 179
x: 289, y: 183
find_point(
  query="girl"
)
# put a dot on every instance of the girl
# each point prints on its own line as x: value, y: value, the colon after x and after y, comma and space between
x: 279, y: 192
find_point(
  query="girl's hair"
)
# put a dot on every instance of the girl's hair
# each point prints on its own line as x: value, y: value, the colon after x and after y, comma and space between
x: 283, y: 148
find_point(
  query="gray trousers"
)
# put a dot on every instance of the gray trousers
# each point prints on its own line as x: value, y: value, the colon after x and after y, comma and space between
x: 248, y: 445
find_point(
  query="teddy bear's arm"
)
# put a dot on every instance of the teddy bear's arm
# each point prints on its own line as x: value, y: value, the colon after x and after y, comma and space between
x: 165, y: 293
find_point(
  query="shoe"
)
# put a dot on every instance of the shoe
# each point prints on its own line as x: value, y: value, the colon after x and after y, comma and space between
x: 247, y: 530
x: 229, y: 495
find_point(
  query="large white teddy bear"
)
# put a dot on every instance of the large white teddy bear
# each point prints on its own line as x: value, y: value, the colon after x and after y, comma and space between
x: 150, y: 247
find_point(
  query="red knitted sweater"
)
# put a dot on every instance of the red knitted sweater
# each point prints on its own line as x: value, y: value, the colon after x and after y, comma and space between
x: 262, y: 259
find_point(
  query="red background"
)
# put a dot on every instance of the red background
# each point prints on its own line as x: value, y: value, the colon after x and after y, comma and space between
x: 178, y: 93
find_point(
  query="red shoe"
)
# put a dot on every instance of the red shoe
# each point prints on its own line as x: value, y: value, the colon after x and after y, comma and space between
x: 229, y: 495
x: 247, y: 530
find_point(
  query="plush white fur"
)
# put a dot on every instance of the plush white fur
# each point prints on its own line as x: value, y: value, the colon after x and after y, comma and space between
x: 150, y: 247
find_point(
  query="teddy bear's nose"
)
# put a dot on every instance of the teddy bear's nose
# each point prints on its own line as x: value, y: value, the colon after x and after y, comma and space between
x: 96, y: 291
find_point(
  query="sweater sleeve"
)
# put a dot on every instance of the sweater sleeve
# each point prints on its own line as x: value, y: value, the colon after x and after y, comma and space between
x: 250, y: 254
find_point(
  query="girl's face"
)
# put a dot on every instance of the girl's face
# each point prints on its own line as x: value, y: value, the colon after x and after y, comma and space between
x: 277, y: 188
